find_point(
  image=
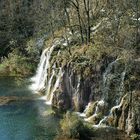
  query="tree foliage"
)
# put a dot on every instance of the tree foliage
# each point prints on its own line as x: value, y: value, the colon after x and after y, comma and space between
x: 22, y: 19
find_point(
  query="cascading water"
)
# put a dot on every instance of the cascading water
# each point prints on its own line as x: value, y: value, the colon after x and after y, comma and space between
x: 107, y: 77
x: 41, y: 76
x: 112, y: 73
x: 47, y: 65
x: 49, y: 84
x: 56, y: 85
x: 100, y: 103
x: 47, y: 78
x: 83, y: 114
x: 122, y: 81
x: 102, y: 121
x: 121, y: 90
x: 78, y: 85
x: 117, y: 106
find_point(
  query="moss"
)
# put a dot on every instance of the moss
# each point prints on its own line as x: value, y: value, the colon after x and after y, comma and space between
x: 91, y: 109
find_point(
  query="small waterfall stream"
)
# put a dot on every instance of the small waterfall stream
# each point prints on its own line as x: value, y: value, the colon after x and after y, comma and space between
x: 99, y: 103
x: 45, y: 81
x: 121, y: 90
x: 49, y: 95
x: 108, y: 77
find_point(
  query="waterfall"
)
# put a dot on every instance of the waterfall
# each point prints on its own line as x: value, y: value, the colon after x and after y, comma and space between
x: 39, y: 74
x: 100, y: 103
x: 112, y: 73
x: 48, y: 88
x: 87, y: 107
x: 40, y: 78
x: 78, y: 85
x: 83, y: 114
x: 50, y: 94
x: 101, y: 121
x: 47, y: 77
x: 117, y: 106
x: 121, y: 89
x: 47, y: 65
x: 107, y: 76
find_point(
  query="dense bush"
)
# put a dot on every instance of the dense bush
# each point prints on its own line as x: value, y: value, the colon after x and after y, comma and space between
x: 73, y: 127
x: 17, y: 64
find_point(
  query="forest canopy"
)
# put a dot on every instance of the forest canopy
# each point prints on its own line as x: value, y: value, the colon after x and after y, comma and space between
x: 21, y: 20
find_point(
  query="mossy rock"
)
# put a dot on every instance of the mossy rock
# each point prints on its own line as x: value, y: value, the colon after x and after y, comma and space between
x: 95, y: 119
x: 91, y: 109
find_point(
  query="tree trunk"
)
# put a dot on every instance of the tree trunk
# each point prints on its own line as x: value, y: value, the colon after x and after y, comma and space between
x: 77, y: 7
x: 87, y: 10
x: 68, y: 17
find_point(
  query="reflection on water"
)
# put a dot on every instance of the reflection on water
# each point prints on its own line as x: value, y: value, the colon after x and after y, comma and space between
x: 24, y: 120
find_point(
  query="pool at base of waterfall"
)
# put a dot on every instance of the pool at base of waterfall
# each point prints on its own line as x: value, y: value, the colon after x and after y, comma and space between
x: 23, y: 115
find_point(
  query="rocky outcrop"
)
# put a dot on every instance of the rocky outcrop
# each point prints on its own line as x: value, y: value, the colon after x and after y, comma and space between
x: 74, y: 92
x: 120, y: 107
x: 105, y: 90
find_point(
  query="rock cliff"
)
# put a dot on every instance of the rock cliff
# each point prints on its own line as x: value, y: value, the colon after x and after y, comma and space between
x: 104, y: 88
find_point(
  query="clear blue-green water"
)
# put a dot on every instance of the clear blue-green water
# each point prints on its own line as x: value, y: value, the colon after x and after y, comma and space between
x: 24, y: 119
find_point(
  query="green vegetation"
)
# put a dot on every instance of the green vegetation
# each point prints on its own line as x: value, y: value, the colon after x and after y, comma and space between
x: 17, y: 65
x: 73, y: 127
x: 135, y: 137
x: 97, y: 28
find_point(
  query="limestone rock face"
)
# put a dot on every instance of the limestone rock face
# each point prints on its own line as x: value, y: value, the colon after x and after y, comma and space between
x: 75, y: 92
x: 104, y: 87
x: 133, y: 121
x: 108, y: 93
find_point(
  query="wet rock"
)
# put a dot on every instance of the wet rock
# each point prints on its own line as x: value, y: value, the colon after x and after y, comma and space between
x: 94, y: 119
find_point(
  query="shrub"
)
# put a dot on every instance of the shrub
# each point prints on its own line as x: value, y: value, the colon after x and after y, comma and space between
x: 135, y: 137
x: 73, y: 127
x: 17, y: 64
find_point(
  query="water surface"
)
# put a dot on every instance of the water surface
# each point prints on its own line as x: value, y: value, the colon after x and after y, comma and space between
x: 24, y: 119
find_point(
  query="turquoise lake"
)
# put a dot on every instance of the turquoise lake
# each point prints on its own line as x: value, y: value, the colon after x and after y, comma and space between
x: 25, y: 119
